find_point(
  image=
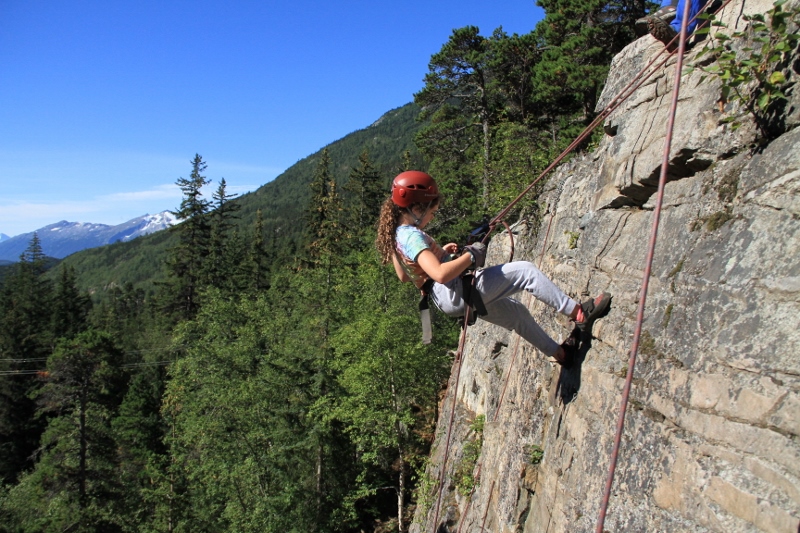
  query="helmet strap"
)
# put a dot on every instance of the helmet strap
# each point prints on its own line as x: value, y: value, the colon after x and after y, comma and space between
x: 418, y: 220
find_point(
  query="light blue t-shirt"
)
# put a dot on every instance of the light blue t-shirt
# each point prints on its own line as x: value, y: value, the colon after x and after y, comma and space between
x: 411, y: 241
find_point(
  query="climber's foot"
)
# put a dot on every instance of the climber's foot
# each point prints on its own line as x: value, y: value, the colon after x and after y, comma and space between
x: 591, y: 310
x: 662, y: 31
x: 666, y: 13
x: 568, y: 350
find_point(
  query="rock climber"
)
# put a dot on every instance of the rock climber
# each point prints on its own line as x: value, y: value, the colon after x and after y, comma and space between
x: 437, y: 271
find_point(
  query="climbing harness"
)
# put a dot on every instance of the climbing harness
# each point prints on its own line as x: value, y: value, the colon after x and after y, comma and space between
x: 615, y: 102
x: 470, y: 295
x: 472, y: 298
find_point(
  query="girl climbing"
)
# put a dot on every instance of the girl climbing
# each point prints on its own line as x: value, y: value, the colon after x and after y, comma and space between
x: 437, y: 270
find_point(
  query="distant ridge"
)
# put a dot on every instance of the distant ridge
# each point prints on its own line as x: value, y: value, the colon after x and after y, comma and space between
x: 281, y: 201
x: 64, y: 238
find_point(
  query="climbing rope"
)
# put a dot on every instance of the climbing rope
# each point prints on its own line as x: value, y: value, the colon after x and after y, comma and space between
x: 662, y: 180
x: 615, y: 102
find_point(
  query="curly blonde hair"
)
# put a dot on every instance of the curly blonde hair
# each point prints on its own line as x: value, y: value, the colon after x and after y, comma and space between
x: 388, y: 221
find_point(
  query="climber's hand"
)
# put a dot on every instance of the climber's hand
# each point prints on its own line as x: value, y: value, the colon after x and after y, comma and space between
x: 478, y: 253
x: 450, y: 248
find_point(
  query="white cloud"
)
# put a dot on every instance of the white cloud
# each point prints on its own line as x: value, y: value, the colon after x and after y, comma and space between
x: 29, y: 210
x: 160, y: 192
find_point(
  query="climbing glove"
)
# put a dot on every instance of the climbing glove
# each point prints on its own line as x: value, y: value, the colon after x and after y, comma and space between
x: 478, y: 253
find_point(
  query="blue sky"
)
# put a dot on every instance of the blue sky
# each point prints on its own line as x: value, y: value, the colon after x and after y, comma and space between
x: 104, y: 103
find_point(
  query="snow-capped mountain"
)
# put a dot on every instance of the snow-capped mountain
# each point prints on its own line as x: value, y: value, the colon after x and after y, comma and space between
x: 64, y: 238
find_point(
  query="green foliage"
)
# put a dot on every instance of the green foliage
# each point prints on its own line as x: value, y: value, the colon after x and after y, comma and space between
x: 464, y: 475
x: 326, y: 234
x: 388, y: 380
x: 535, y: 454
x: 572, y: 237
x: 580, y: 38
x: 478, y: 423
x: 70, y: 307
x: 26, y: 338
x: 753, y: 64
x: 73, y: 485
x: 239, y: 406
x: 364, y: 191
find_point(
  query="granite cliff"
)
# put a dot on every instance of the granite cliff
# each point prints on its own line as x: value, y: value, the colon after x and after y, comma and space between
x: 712, y: 434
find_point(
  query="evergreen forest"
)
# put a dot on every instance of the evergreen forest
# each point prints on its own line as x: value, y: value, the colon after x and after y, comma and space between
x: 255, y: 368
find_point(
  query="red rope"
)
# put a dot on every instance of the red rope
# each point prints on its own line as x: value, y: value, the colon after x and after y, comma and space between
x: 505, y: 386
x: 457, y: 363
x: 486, y: 511
x: 646, y: 276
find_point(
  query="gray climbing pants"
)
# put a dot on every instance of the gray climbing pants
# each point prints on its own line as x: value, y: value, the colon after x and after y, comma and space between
x: 496, y: 285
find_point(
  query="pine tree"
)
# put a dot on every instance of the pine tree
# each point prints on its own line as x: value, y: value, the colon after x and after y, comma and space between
x: 324, y: 229
x: 511, y: 62
x: 186, y: 262
x: 73, y: 486
x: 366, y: 191
x: 222, y: 257
x: 581, y: 39
x: 258, y: 258
x: 459, y: 97
x: 25, y: 341
x: 70, y: 307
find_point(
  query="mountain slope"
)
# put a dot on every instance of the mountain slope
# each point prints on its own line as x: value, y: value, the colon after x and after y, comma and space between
x: 281, y: 201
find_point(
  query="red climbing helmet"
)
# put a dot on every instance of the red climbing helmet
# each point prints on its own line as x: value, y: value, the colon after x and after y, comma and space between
x: 413, y: 187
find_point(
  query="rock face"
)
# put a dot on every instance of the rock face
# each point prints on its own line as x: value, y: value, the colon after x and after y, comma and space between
x: 712, y: 434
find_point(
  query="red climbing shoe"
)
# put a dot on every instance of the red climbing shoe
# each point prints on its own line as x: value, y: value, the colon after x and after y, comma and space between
x: 569, y: 349
x: 592, y: 310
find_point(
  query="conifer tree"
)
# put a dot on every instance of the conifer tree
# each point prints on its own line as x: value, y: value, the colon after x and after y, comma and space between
x: 581, y: 38
x: 459, y: 98
x: 324, y: 229
x: 366, y: 193
x: 511, y: 62
x: 186, y: 262
x: 258, y: 257
x: 70, y: 307
x: 73, y: 486
x: 222, y: 257
x: 25, y: 339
